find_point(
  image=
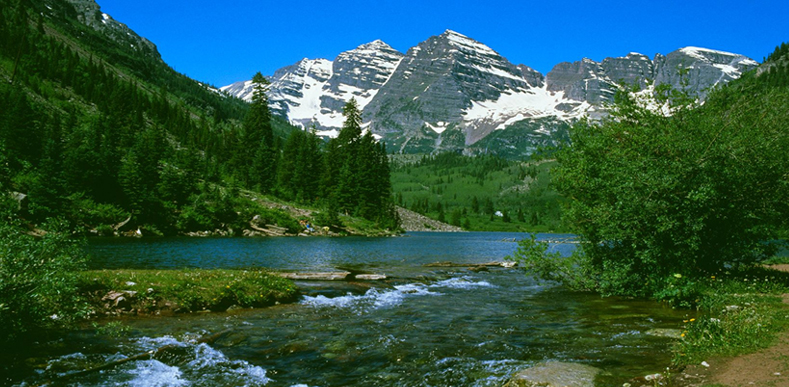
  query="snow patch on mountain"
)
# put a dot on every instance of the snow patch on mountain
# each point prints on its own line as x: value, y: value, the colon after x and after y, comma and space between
x: 439, y: 127
x: 312, y: 92
x: 311, y: 80
x: 517, y: 105
x: 464, y: 42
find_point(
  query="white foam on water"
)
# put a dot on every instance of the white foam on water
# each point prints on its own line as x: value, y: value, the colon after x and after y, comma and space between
x: 376, y: 298
x: 462, y: 283
x: 461, y: 369
x: 213, y: 364
x: 149, y: 343
x: 153, y: 373
x: 203, y: 366
x: 323, y: 301
x: 372, y: 299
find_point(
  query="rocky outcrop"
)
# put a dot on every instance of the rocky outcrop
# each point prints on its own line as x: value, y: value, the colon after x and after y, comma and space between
x: 555, y: 374
x: 89, y: 13
x: 429, y: 96
x: 584, y: 80
x: 692, y: 69
x: 633, y: 69
x: 696, y: 70
x: 412, y: 221
x: 359, y: 73
x: 332, y: 276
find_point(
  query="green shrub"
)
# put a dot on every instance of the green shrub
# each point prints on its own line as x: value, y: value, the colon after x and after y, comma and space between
x: 533, y: 258
x: 279, y: 218
x: 655, y: 195
x: 85, y: 212
x: 38, y: 279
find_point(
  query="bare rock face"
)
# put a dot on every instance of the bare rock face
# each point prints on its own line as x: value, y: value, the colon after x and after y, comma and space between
x: 434, y: 87
x: 412, y: 221
x: 89, y: 13
x: 584, y: 80
x: 359, y: 73
x: 696, y: 70
x: 633, y: 69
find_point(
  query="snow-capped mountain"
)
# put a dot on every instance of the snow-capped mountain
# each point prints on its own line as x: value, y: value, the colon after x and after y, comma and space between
x: 451, y: 92
x: 314, y: 91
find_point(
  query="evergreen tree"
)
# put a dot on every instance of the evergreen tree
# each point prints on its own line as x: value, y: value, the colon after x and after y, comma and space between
x: 456, y: 217
x: 356, y: 177
x: 256, y: 156
x: 47, y: 191
x: 340, y: 179
x: 300, y: 167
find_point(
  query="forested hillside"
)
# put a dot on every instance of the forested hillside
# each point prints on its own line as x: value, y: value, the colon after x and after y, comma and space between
x: 100, y: 131
x: 482, y: 193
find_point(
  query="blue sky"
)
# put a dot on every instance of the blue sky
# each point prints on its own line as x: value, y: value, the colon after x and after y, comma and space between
x: 220, y: 42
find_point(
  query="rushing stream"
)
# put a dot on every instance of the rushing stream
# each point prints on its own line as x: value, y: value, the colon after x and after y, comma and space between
x: 424, y: 326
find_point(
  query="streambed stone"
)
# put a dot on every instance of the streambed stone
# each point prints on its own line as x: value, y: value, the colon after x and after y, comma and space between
x: 665, y: 332
x: 555, y: 374
x: 321, y: 276
x: 371, y: 277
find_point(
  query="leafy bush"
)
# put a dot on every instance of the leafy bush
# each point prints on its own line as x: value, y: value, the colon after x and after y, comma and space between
x: 533, y: 258
x: 278, y: 218
x: 84, y: 211
x: 210, y: 210
x: 37, y: 281
x: 657, y: 195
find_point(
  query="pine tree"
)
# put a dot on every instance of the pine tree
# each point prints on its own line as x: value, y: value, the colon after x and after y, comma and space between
x: 47, y: 190
x: 255, y: 158
x: 356, y: 177
x: 299, y: 170
x: 340, y: 179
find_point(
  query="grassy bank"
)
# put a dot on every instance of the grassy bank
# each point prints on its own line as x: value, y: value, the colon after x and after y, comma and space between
x: 742, y: 311
x: 112, y: 292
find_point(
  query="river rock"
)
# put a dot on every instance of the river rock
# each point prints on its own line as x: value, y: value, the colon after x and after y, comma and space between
x: 322, y: 276
x: 555, y: 374
x: 665, y: 332
x: 119, y: 299
x: 371, y: 277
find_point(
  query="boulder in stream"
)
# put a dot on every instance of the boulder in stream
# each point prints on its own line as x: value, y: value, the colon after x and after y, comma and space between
x: 555, y: 374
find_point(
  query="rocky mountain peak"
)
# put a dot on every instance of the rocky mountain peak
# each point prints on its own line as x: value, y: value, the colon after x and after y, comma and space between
x: 90, y: 14
x: 375, y: 45
x: 452, y: 92
x: 701, y: 68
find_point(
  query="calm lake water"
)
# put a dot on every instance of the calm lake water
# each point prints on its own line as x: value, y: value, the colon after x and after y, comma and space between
x: 424, y: 326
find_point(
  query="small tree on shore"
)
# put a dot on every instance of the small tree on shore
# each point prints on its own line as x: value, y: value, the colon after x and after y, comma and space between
x: 658, y: 197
